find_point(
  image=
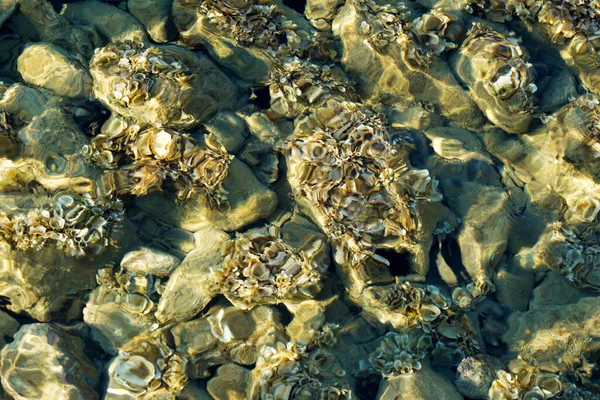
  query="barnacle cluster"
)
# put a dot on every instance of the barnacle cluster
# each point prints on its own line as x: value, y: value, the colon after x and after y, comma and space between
x: 163, y: 86
x: 288, y: 371
x: 249, y: 23
x: 423, y: 310
x: 261, y: 268
x: 297, y: 85
x: 76, y: 224
x: 138, y: 161
x: 573, y: 251
x: 533, y: 384
x: 400, y: 354
x: 382, y: 24
x: 343, y: 162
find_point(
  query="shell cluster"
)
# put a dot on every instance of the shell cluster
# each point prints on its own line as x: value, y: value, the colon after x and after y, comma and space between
x: 399, y: 354
x: 500, y: 65
x: 573, y: 251
x: 345, y: 164
x: 287, y: 371
x: 138, y: 161
x: 532, y: 384
x: 75, y: 224
x: 250, y: 23
x: 260, y: 268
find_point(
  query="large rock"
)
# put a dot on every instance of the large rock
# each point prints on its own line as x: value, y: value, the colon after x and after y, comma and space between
x: 45, y: 362
x: 248, y: 201
x: 50, y: 67
x: 424, y: 384
x: 155, y: 15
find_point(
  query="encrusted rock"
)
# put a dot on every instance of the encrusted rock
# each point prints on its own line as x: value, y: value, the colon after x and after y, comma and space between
x: 226, y: 334
x: 474, y: 375
x: 247, y: 201
x: 165, y: 86
x: 495, y: 66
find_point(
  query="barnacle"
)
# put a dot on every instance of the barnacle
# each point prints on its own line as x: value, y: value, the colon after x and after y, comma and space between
x: 76, y: 224
x: 358, y: 184
x: 400, y: 354
x: 496, y: 68
x: 157, y: 155
x: 288, y: 371
x: 261, y: 268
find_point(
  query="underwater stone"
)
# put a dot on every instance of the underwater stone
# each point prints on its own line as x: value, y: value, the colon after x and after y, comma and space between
x: 114, y: 24
x: 554, y: 338
x: 229, y: 383
x: 486, y: 226
x: 156, y: 17
x: 8, y: 327
x: 474, y: 375
x: 544, y: 294
x: 559, y: 92
x: 248, y: 201
x: 45, y: 362
x: 514, y: 289
x: 50, y: 67
x: 228, y: 129
x: 189, y: 289
x: 422, y: 384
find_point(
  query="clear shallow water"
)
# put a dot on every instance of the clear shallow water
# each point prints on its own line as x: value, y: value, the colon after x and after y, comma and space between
x: 231, y: 200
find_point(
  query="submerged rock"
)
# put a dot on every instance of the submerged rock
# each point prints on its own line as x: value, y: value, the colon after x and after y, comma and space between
x: 554, y: 338
x: 494, y: 65
x: 156, y: 17
x: 164, y: 86
x: 423, y: 384
x: 50, y: 67
x: 46, y: 362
